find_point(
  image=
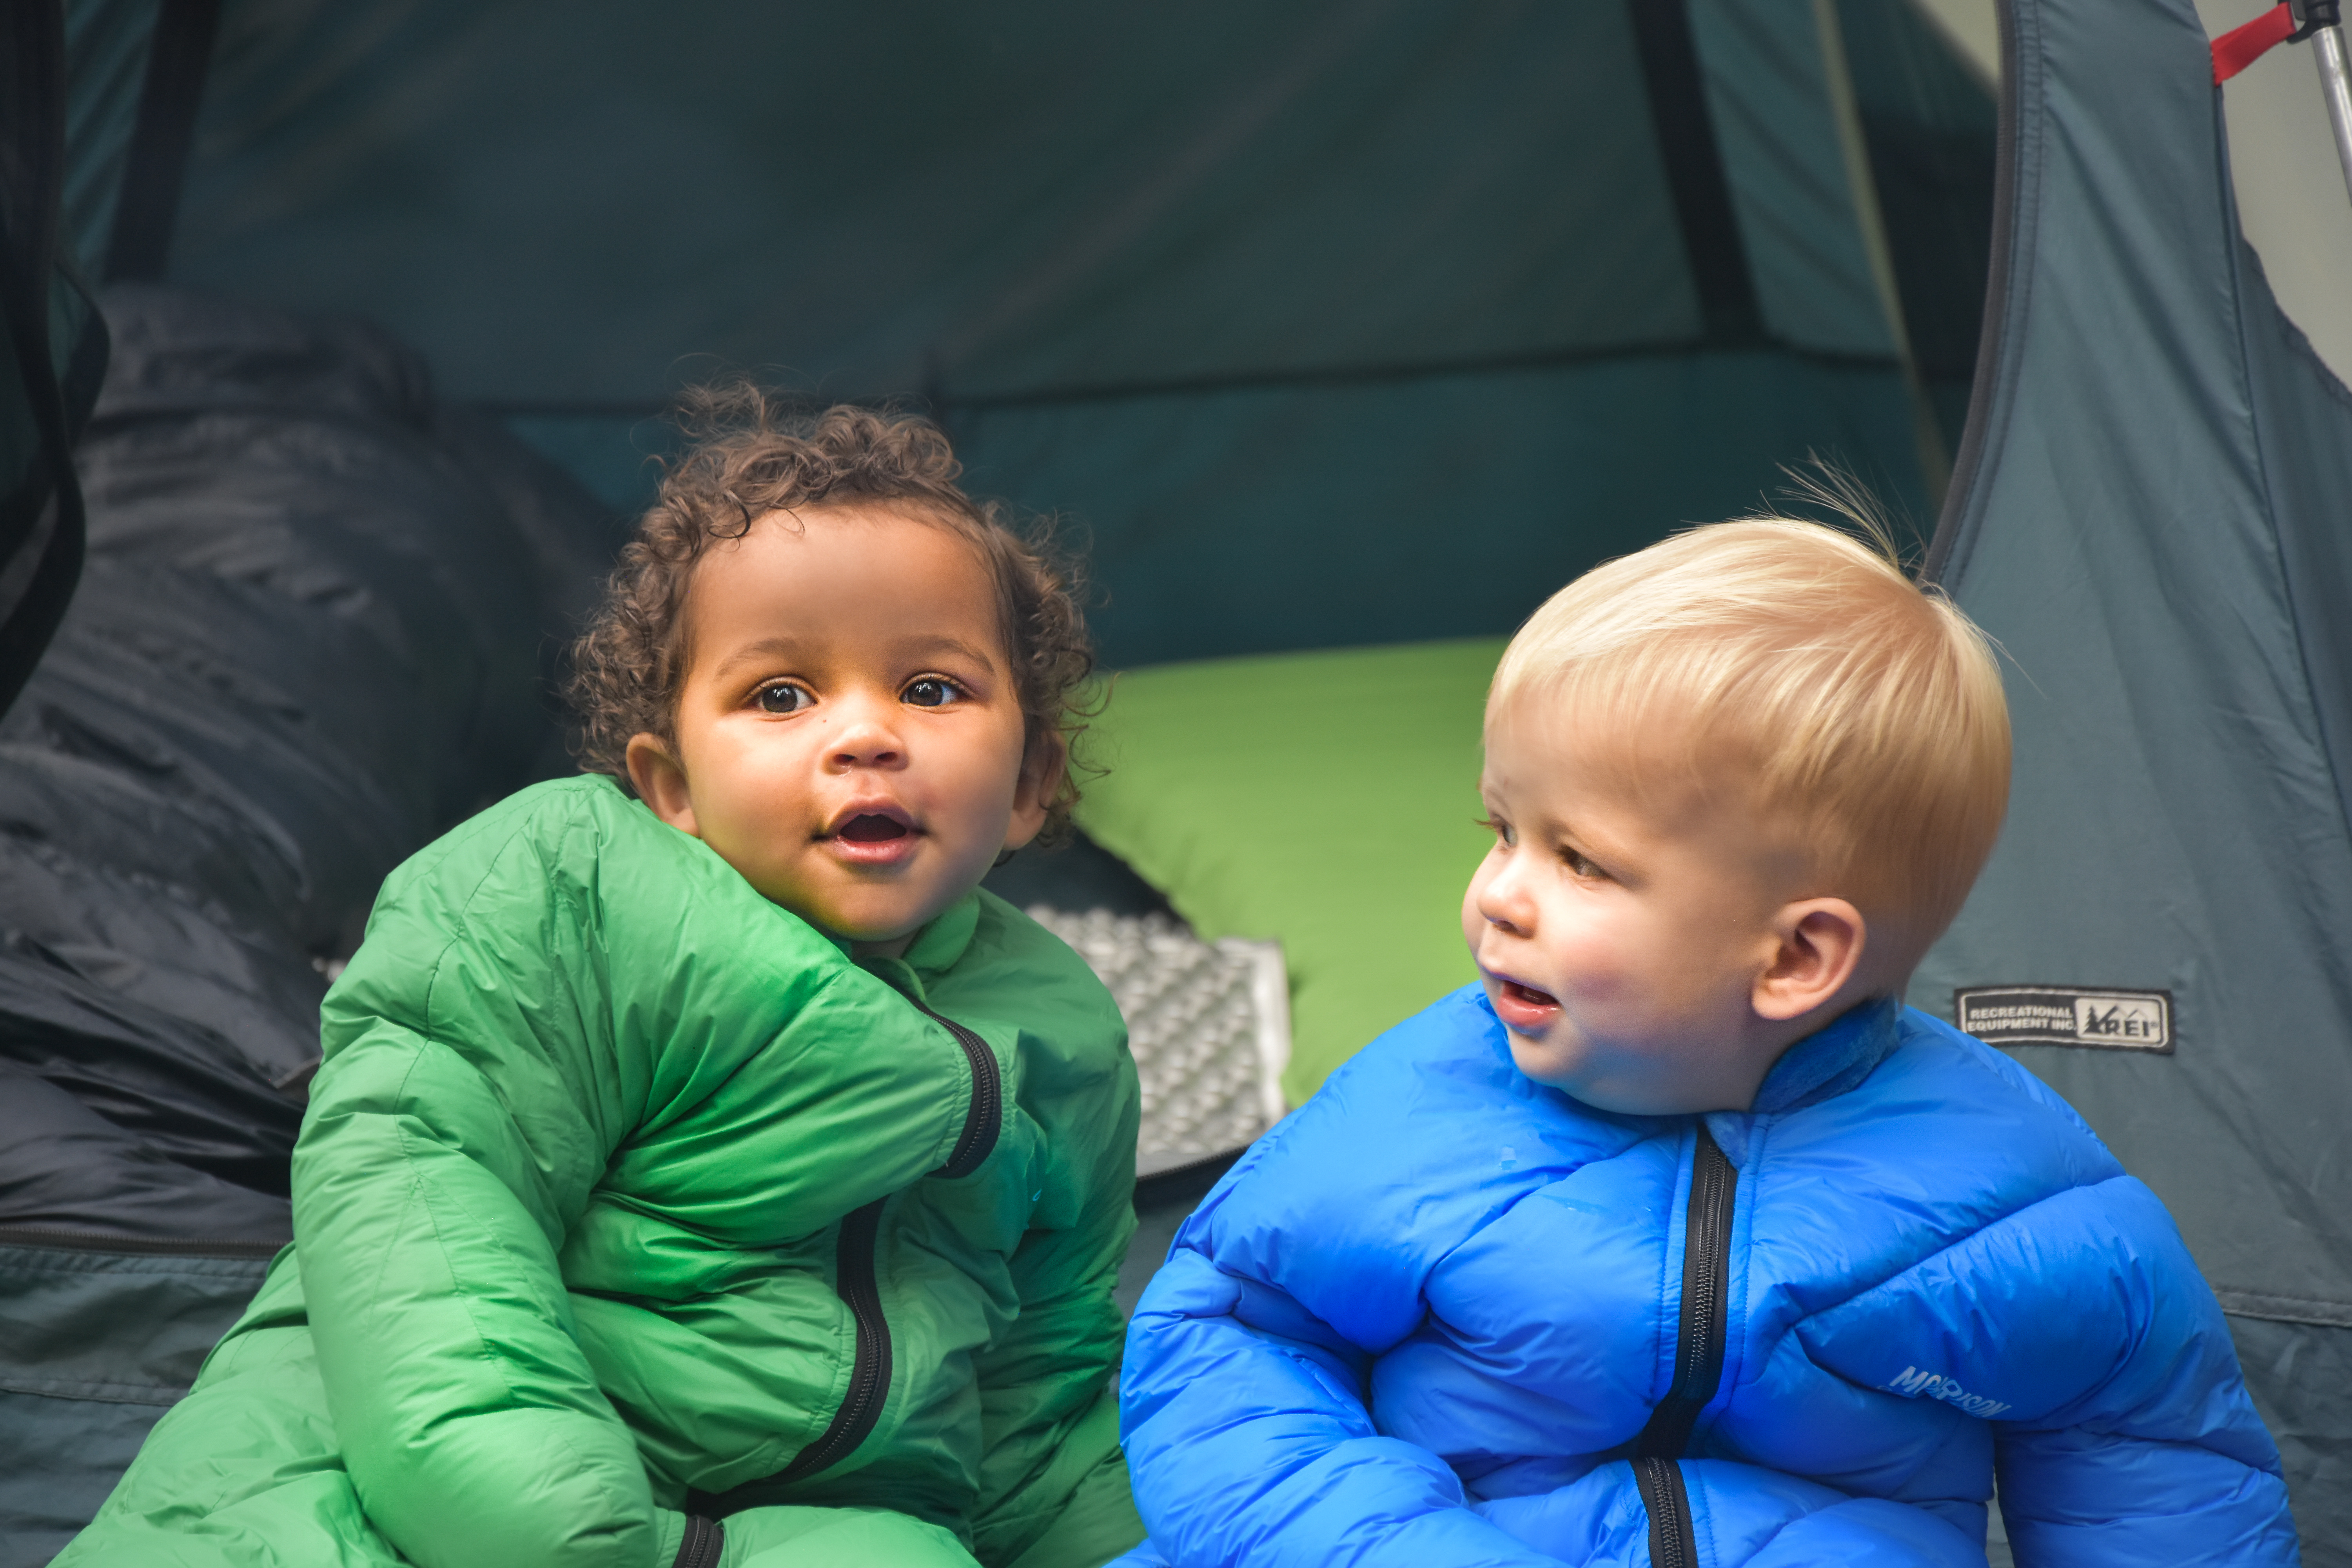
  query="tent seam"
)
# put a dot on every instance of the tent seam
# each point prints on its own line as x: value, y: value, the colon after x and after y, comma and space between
x: 2017, y: 197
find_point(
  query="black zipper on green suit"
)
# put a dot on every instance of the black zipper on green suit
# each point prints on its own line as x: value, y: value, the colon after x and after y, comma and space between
x: 702, y: 1546
x: 853, y: 1272
x: 978, y: 1139
x: 859, y: 1286
x: 854, y: 1280
x: 869, y: 1368
x: 1698, y: 1353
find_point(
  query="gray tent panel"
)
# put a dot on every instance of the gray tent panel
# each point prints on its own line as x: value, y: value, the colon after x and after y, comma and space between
x: 2151, y: 516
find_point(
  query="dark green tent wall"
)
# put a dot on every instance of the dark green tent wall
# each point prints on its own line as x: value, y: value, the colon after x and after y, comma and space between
x: 1330, y: 323
x: 2153, y: 514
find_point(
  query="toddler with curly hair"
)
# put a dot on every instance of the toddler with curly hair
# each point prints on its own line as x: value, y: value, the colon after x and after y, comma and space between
x: 704, y: 1169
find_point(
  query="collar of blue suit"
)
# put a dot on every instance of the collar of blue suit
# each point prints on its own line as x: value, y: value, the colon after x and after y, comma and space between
x: 1824, y: 1065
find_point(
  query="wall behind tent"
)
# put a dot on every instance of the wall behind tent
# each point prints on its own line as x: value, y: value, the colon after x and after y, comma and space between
x: 1329, y: 323
x: 2290, y: 186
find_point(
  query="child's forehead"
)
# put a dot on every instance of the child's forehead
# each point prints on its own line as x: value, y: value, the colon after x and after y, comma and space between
x: 879, y: 515
x: 1662, y: 767
x: 869, y: 542
x: 816, y: 570
x: 1568, y: 735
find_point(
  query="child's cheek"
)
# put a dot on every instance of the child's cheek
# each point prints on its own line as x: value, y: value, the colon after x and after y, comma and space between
x: 1474, y: 924
x: 1583, y: 962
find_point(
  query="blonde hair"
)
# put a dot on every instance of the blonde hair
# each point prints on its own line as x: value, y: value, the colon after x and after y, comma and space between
x: 1801, y: 668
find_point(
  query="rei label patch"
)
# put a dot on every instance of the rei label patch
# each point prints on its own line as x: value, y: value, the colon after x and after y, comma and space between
x: 2066, y: 1015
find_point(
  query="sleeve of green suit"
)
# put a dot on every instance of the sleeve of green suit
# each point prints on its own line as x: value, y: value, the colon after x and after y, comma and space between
x: 470, y: 1423
x: 506, y: 1034
x: 1049, y: 1409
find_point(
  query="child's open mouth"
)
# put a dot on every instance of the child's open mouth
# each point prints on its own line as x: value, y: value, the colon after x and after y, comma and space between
x: 1523, y: 1007
x: 874, y: 838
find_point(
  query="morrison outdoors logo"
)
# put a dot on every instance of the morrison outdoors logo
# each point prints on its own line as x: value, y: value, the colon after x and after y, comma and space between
x: 1935, y: 1386
x: 2066, y: 1015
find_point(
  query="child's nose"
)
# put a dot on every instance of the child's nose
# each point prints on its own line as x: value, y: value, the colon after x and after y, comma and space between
x: 867, y: 751
x: 1503, y: 903
x: 866, y: 741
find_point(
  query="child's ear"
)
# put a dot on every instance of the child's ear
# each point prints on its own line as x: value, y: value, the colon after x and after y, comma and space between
x: 1819, y: 947
x: 660, y: 782
x: 1042, y: 766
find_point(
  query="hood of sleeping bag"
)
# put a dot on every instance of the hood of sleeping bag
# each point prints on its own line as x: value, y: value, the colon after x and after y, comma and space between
x: 307, y: 636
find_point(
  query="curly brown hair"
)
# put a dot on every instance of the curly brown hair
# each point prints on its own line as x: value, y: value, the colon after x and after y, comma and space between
x: 752, y: 452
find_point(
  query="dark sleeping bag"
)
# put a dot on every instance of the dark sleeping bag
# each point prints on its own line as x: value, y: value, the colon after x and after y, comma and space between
x: 314, y: 631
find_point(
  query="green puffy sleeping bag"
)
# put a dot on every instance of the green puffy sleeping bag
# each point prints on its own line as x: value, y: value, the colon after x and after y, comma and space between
x: 623, y: 1191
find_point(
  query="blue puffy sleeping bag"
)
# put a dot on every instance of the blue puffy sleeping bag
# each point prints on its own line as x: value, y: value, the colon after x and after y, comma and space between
x: 1445, y: 1315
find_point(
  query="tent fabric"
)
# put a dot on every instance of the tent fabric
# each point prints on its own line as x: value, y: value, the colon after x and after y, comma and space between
x: 1930, y: 128
x: 1353, y: 255
x: 1772, y: 96
x: 1280, y: 518
x: 2151, y: 522
x: 106, y: 51
x: 106, y: 55
x: 882, y: 200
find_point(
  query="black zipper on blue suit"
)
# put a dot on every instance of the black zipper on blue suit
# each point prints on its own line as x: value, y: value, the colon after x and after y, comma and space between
x: 856, y: 1281
x: 1698, y: 1354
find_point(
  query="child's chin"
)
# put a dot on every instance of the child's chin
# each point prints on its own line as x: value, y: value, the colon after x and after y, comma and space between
x: 885, y: 915
x: 1546, y: 1062
x: 1557, y: 1064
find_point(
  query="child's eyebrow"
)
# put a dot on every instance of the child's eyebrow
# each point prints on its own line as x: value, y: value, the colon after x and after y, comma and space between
x: 766, y: 647
x: 942, y: 644
x: 786, y: 646
x: 1566, y: 833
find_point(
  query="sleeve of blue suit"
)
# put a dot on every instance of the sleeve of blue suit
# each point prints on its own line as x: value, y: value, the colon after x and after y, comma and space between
x: 1292, y: 1473
x: 2137, y: 1443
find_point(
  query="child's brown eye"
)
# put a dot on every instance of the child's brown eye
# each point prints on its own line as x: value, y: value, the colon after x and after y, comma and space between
x: 1579, y: 864
x: 782, y: 697
x: 930, y: 691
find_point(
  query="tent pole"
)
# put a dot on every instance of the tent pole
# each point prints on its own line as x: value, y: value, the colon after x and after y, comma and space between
x: 2336, y: 85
